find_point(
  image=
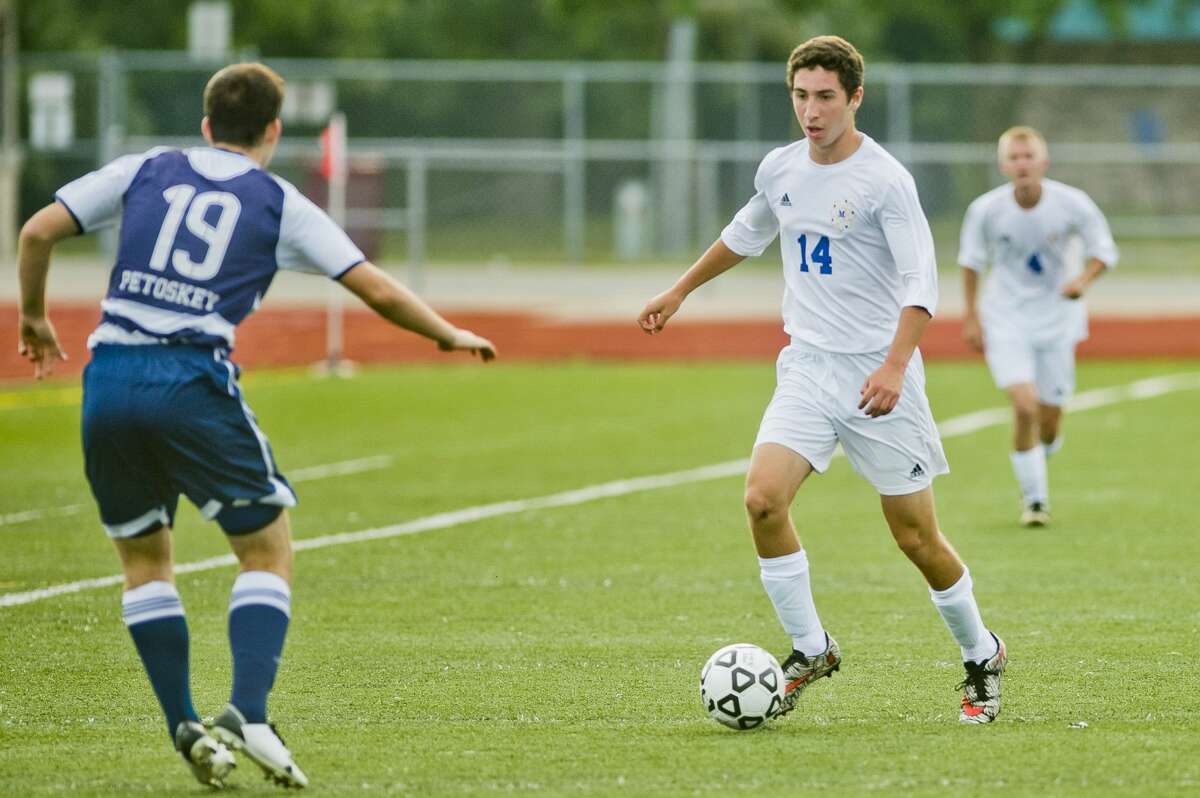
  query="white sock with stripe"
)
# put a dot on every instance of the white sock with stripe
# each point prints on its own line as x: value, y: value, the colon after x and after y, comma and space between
x: 149, y: 602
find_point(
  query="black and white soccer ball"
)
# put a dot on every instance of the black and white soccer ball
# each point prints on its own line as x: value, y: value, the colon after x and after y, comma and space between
x: 741, y: 686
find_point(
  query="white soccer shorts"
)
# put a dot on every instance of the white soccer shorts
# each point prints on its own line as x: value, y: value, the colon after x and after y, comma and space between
x: 1050, y: 367
x: 815, y: 407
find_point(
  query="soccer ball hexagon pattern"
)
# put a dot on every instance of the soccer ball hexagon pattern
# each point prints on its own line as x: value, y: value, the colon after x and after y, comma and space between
x: 741, y: 686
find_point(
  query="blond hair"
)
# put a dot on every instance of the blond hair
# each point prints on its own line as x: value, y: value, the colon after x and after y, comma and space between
x: 1021, y: 133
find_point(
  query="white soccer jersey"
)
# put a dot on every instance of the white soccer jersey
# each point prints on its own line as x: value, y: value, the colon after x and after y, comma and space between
x: 1032, y: 253
x: 856, y: 245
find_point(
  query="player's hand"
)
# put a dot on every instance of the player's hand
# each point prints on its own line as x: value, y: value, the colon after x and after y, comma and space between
x: 38, y: 343
x: 469, y: 341
x: 972, y: 333
x: 656, y: 312
x: 881, y: 391
x: 1075, y: 288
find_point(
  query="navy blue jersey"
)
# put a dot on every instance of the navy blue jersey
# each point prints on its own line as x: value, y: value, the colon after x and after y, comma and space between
x: 203, y: 232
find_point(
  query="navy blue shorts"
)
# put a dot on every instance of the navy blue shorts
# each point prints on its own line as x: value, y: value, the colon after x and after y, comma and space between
x: 161, y: 420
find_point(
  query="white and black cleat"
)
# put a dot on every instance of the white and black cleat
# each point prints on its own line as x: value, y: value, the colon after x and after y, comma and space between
x: 1035, y: 514
x: 209, y: 760
x: 981, y: 687
x: 262, y: 744
x: 799, y: 671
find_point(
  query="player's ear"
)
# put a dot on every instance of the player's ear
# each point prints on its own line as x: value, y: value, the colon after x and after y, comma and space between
x: 856, y: 98
x: 274, y: 130
x: 206, y: 130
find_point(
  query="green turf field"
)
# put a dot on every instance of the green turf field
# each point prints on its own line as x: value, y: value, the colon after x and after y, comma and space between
x: 556, y: 651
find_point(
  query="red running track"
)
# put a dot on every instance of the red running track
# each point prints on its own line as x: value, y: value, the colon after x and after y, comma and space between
x: 296, y: 336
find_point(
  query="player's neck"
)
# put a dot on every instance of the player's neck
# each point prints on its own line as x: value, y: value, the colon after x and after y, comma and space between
x: 839, y: 149
x: 260, y: 154
x: 1028, y: 196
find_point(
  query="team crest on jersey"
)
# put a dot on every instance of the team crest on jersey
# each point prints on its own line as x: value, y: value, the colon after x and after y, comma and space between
x: 842, y: 215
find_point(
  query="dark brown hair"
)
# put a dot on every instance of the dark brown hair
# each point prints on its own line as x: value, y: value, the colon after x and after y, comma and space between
x: 240, y: 101
x: 832, y: 53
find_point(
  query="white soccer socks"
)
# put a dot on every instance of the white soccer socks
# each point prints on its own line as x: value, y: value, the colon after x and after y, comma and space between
x: 956, y: 604
x: 1030, y: 469
x: 786, y: 582
x: 1053, y: 447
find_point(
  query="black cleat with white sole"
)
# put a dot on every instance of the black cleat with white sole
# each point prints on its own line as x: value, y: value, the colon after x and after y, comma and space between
x: 262, y: 744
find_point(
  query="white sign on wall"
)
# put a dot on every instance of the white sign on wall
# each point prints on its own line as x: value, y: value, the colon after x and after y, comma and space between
x: 210, y: 23
x: 51, y: 110
x: 309, y: 101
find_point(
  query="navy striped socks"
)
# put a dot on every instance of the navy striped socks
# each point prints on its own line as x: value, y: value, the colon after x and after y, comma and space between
x: 154, y: 615
x: 259, y: 610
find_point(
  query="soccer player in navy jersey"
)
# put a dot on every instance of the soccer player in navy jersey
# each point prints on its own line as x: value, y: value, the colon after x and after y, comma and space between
x: 203, y: 232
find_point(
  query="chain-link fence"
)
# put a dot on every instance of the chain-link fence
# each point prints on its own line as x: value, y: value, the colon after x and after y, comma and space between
x: 567, y: 162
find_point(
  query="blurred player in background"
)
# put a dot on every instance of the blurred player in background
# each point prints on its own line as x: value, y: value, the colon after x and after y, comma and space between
x: 203, y: 232
x: 860, y: 287
x: 1031, y: 315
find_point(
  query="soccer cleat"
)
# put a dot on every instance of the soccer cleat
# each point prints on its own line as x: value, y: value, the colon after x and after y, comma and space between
x: 1035, y: 514
x: 981, y: 687
x: 262, y: 744
x: 209, y: 760
x: 799, y: 671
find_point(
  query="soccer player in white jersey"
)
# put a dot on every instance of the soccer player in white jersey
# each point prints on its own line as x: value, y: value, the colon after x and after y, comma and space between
x: 203, y: 232
x: 860, y: 287
x: 1031, y: 314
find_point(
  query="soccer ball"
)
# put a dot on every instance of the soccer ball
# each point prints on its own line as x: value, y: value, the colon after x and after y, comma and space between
x: 741, y: 686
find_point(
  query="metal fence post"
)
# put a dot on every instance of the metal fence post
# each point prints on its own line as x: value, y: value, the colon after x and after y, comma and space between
x: 417, y: 202
x: 110, y: 122
x: 676, y: 138
x: 708, y: 202
x: 10, y: 153
x: 748, y: 124
x: 574, y: 167
x: 899, y: 112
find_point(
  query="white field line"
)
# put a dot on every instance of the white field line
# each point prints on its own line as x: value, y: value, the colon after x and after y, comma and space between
x: 22, y: 516
x: 309, y: 474
x: 960, y: 425
x: 340, y: 469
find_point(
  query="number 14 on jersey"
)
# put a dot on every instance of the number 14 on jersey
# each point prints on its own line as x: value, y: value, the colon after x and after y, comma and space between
x: 819, y: 254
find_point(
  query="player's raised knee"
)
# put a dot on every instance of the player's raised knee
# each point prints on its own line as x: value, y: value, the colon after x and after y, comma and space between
x: 1026, y: 411
x: 264, y: 547
x: 764, y: 503
x: 911, y: 543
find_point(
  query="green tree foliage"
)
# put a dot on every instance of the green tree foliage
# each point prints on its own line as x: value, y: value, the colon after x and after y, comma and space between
x: 932, y: 30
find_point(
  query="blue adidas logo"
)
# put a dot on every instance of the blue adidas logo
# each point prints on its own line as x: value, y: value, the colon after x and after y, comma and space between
x: 786, y: 201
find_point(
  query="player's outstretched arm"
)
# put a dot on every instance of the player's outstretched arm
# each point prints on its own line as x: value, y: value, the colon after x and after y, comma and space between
x: 394, y: 302
x: 37, y: 340
x: 716, y: 259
